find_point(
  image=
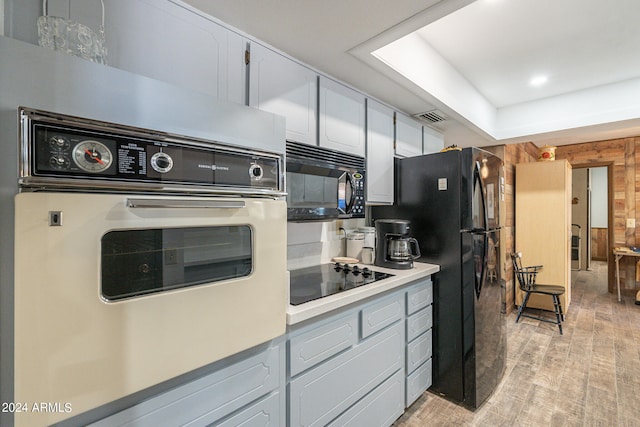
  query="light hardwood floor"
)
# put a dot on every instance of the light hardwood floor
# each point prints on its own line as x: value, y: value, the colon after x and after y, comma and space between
x: 590, y: 376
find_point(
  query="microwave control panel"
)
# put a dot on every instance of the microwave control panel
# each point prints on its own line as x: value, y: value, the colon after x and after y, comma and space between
x: 357, y: 208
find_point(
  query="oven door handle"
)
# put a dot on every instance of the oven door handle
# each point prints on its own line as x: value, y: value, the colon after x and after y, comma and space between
x: 167, y: 203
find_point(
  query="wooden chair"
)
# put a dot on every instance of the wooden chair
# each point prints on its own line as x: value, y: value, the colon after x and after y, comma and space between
x: 527, y: 280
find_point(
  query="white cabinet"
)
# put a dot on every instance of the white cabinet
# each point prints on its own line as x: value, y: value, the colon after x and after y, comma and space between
x: 408, y: 136
x: 169, y: 42
x: 433, y: 141
x: 282, y: 86
x: 341, y: 118
x: 379, y: 153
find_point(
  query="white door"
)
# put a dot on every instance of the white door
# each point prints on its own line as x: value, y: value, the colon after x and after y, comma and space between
x: 379, y: 153
x: 433, y: 140
x: 282, y: 86
x: 408, y: 136
x: 341, y: 118
x: 172, y: 43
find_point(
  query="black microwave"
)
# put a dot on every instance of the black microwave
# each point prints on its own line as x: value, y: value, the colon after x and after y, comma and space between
x: 323, y: 184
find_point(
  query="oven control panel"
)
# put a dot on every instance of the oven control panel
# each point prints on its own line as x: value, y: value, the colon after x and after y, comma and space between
x: 116, y: 158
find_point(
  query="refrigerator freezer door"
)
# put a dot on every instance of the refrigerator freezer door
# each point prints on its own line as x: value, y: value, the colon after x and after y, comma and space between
x: 480, y: 190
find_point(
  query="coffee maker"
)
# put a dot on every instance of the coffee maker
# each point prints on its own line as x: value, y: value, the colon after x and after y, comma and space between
x: 395, y: 248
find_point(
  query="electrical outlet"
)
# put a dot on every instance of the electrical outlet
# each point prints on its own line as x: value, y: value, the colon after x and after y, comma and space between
x: 631, y: 223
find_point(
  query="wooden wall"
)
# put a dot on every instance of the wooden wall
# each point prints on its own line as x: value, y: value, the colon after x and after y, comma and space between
x: 621, y: 157
x: 600, y: 244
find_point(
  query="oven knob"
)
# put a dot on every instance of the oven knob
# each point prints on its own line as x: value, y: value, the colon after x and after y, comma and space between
x: 59, y: 162
x: 161, y: 162
x: 366, y: 272
x: 256, y: 172
x: 337, y: 266
x: 59, y: 143
x: 346, y: 268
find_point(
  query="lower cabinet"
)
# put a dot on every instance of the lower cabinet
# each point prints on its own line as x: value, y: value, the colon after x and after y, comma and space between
x: 358, y: 366
x: 363, y: 365
x: 419, y: 340
x: 247, y: 390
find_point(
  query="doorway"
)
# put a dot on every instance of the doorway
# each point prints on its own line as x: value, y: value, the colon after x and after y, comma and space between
x: 590, y: 217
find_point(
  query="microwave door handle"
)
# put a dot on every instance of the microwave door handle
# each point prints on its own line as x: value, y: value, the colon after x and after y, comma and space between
x: 169, y: 203
x: 350, y: 192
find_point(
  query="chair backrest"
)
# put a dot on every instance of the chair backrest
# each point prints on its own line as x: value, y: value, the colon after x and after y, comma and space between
x: 526, y: 275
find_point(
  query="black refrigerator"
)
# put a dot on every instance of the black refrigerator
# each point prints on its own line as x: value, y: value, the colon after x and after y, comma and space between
x: 453, y: 202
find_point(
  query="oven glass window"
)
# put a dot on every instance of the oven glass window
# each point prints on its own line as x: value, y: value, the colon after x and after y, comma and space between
x: 311, y: 191
x: 141, y: 262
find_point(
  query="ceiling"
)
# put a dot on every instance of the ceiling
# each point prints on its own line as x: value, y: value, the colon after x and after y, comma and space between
x: 470, y: 60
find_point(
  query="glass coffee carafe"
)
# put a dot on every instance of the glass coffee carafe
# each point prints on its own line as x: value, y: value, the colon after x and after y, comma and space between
x: 402, y: 249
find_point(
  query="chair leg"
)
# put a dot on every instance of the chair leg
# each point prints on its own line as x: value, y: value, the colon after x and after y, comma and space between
x: 556, y: 305
x: 523, y: 305
x: 560, y: 308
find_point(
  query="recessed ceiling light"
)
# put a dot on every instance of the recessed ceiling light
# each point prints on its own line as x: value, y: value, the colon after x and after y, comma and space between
x: 538, y: 81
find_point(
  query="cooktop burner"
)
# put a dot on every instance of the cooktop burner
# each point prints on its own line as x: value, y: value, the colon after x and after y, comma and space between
x: 311, y: 283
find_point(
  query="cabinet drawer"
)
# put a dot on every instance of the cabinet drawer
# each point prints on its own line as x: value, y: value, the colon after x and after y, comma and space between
x: 381, y: 315
x: 419, y: 296
x: 418, y: 351
x: 321, y: 394
x: 418, y: 382
x: 419, y: 322
x: 318, y: 344
x: 264, y: 413
x: 381, y: 407
x: 209, y: 398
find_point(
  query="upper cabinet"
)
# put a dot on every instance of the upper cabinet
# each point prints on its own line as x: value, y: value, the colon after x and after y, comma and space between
x: 341, y: 118
x: 282, y: 86
x: 408, y: 136
x: 433, y: 140
x: 379, y: 153
x: 168, y: 42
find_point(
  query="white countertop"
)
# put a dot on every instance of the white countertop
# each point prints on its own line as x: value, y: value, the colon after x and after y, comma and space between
x: 308, y: 310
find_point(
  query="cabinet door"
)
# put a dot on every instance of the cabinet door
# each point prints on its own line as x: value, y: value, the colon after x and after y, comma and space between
x: 341, y: 118
x: 379, y: 153
x: 408, y: 136
x: 282, y: 86
x: 433, y: 141
x: 170, y: 42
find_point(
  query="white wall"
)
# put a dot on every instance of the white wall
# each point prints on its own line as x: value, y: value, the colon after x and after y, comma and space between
x: 599, y: 216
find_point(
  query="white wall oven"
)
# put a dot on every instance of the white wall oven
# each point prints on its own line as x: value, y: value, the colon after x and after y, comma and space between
x: 139, y: 256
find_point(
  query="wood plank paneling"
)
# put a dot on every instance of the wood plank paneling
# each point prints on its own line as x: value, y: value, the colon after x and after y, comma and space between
x: 622, y: 157
x: 600, y: 244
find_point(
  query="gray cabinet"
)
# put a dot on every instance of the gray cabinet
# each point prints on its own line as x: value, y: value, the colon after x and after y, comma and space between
x: 282, y: 86
x: 380, y: 153
x: 247, y: 389
x: 358, y: 366
x: 419, y: 322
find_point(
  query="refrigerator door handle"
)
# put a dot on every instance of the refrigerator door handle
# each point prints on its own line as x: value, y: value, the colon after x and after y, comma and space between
x: 478, y: 178
x: 483, y: 270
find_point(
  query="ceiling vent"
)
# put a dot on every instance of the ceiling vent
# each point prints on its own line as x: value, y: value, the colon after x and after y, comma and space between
x: 432, y: 116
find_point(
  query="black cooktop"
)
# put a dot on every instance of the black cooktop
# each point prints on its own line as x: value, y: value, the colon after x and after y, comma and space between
x: 311, y: 283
